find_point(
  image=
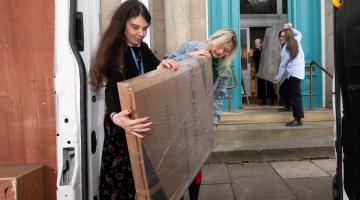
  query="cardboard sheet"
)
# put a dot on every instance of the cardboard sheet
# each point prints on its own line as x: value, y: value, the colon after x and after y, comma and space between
x: 270, y: 54
x: 167, y: 160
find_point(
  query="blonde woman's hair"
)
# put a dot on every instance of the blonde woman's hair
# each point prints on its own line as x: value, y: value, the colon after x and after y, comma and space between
x: 225, y: 37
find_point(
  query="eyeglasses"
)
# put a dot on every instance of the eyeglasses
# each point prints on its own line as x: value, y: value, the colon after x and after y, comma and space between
x: 282, y: 36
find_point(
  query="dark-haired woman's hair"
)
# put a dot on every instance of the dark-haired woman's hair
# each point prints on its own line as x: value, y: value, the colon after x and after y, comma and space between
x: 113, y: 44
x: 292, y: 45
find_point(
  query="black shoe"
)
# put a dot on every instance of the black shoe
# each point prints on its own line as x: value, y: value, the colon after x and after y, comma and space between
x: 284, y: 109
x: 295, y: 122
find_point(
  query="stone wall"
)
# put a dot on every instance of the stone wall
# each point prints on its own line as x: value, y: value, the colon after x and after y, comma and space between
x: 329, y: 51
x: 173, y: 22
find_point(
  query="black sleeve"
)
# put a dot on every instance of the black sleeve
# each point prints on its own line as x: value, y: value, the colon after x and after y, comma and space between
x: 150, y: 60
x: 112, y: 100
x: 256, y: 57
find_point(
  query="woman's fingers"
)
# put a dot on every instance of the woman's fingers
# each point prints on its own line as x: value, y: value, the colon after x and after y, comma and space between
x: 174, y: 64
x: 139, y: 121
x: 142, y: 126
x: 142, y: 130
x: 207, y: 54
x: 169, y: 64
x: 202, y: 53
x: 132, y: 126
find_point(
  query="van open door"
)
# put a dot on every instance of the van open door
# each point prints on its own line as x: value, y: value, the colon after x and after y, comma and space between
x: 79, y: 109
x: 347, y: 73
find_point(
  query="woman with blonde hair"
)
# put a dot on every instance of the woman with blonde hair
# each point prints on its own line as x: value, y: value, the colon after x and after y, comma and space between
x: 221, y: 47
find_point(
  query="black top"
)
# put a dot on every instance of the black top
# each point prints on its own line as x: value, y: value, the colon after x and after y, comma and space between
x: 144, y: 54
x: 256, y: 57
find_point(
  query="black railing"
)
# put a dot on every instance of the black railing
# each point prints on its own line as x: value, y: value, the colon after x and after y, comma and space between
x: 311, y: 70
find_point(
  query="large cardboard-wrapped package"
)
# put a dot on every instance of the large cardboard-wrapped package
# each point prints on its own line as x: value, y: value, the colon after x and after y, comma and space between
x: 167, y: 160
x: 270, y: 54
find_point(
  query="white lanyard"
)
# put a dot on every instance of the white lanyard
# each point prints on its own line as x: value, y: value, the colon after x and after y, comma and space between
x: 141, y: 68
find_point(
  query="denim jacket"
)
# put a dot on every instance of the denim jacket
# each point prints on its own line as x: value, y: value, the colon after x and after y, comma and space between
x: 220, y: 82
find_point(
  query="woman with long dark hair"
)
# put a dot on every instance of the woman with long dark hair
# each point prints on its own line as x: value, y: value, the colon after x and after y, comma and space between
x: 122, y: 55
x: 292, y: 66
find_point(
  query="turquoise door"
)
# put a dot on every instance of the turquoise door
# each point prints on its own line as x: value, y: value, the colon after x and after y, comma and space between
x: 305, y: 15
x: 226, y: 14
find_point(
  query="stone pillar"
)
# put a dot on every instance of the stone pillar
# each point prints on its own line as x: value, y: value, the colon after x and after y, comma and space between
x: 198, y: 20
x: 107, y: 10
x: 157, y: 27
x: 177, y: 23
x: 329, y: 51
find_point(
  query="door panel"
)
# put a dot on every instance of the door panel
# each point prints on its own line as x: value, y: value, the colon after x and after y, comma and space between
x: 226, y: 14
x: 245, y: 59
x: 309, y: 25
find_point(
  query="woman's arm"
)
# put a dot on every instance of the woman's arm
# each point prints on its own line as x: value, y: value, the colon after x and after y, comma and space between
x: 112, y: 101
x: 297, y: 34
x: 184, y: 50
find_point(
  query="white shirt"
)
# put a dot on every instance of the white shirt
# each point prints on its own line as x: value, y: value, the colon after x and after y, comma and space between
x: 292, y: 67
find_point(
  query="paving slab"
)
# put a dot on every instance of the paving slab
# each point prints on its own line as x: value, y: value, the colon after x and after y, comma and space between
x: 298, y: 169
x: 328, y: 165
x: 261, y: 188
x: 318, y: 188
x: 250, y: 169
x: 216, y: 192
x: 215, y: 173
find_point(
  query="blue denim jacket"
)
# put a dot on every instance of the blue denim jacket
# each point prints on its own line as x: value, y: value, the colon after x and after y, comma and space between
x: 220, y: 83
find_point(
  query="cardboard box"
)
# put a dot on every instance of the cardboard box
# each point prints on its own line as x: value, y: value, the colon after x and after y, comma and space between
x: 270, y: 54
x: 167, y: 160
x: 21, y: 182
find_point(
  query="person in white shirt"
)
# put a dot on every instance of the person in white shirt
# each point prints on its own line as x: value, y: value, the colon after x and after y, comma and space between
x: 292, y: 66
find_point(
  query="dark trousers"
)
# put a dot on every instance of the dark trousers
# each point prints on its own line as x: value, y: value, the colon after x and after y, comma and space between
x: 294, y: 97
x: 283, y: 90
x: 193, y: 191
x: 265, y: 89
x: 194, y: 187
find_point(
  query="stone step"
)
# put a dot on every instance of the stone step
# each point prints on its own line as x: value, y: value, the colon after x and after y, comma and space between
x: 277, y: 129
x: 271, y: 115
x: 248, y: 142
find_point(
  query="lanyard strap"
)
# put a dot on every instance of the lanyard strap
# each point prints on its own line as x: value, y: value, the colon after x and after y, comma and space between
x: 141, y: 68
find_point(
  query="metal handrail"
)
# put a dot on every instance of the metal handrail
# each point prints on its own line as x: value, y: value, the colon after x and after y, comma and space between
x: 324, y: 70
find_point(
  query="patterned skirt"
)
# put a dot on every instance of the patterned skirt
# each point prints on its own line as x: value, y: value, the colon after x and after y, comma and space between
x: 116, y: 180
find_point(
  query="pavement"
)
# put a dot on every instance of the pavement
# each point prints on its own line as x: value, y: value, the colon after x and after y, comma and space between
x: 282, y: 180
x: 258, y: 158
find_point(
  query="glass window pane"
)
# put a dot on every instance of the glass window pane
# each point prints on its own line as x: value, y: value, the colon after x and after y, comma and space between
x: 284, y: 6
x: 258, y: 6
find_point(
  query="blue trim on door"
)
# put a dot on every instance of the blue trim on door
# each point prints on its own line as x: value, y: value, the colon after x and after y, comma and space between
x: 226, y: 14
x: 305, y: 15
